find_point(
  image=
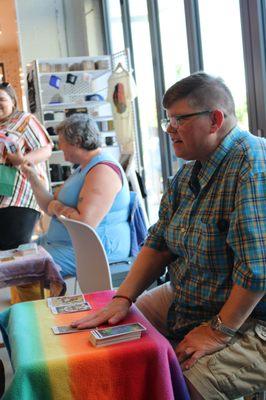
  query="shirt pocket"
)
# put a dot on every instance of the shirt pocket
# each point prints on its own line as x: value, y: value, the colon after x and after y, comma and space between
x: 212, y: 249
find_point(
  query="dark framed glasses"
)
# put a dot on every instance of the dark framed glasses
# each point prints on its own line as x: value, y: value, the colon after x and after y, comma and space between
x: 177, y: 120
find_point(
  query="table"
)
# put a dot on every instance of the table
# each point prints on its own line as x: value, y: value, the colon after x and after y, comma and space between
x: 68, y: 367
x: 32, y: 268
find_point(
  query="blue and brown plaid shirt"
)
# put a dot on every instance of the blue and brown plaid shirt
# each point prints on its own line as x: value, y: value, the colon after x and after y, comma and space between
x: 213, y: 219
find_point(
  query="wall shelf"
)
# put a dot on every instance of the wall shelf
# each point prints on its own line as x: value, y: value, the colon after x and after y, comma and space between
x: 46, y: 95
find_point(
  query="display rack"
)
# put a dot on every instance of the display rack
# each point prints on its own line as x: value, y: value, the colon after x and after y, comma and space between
x: 131, y: 162
x: 60, y: 87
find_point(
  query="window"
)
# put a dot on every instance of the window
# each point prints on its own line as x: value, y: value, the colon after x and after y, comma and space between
x: 173, y: 41
x: 116, y: 26
x: 147, y: 104
x: 223, y: 49
x: 174, y: 49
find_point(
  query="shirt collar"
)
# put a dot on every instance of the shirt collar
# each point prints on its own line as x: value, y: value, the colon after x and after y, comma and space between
x: 210, y: 166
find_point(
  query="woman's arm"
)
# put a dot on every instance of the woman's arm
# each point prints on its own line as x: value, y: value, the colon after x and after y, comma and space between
x: 148, y: 266
x: 34, y: 156
x: 96, y: 197
x: 43, y: 197
x: 39, y: 155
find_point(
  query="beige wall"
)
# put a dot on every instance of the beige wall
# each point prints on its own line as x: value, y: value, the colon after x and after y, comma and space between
x: 9, y: 46
x: 11, y: 60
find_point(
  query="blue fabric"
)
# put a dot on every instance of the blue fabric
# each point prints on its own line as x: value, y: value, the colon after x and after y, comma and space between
x: 138, y: 228
x: 114, y: 229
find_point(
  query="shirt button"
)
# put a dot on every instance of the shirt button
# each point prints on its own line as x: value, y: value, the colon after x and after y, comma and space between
x: 183, y: 230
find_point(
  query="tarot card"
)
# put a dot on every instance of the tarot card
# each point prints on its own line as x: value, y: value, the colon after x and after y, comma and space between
x: 76, y: 307
x: 118, y: 330
x: 61, y: 330
x: 6, y: 259
x: 65, y: 300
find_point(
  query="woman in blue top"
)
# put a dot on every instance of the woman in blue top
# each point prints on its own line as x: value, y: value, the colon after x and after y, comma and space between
x: 97, y: 194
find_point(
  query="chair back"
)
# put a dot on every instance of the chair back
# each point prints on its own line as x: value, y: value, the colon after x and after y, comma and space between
x: 92, y: 266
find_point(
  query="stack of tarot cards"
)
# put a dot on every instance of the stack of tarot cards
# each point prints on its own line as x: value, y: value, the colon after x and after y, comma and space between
x: 68, y: 304
x: 116, y: 334
x: 27, y: 249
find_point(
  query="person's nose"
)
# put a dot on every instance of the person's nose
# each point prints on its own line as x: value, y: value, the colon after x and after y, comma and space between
x: 171, y: 130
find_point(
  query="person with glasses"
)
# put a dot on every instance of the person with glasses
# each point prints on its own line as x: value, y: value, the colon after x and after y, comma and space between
x: 211, y: 236
x: 97, y: 193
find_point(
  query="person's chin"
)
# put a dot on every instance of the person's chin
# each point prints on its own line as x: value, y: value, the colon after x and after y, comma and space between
x: 178, y: 149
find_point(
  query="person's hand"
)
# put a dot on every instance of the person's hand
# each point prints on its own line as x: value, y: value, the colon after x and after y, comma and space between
x: 29, y: 170
x: 55, y: 207
x: 199, y: 342
x: 68, y: 212
x: 113, y: 313
x: 15, y: 159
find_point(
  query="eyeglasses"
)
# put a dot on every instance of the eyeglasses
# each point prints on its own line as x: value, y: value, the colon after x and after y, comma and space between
x: 4, y: 84
x: 178, y: 120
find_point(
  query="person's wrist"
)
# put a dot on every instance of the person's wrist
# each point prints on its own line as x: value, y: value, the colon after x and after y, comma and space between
x: 220, y: 336
x: 123, y: 298
x: 218, y: 326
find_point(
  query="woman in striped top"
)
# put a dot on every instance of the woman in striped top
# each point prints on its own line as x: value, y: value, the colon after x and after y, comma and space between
x: 19, y: 212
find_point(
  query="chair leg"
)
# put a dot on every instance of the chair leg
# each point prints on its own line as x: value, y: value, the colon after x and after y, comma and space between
x: 42, y: 289
x: 75, y: 286
x: 2, y: 378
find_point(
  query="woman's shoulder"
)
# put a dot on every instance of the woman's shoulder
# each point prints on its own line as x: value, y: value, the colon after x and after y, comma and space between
x: 21, y: 116
x: 103, y: 158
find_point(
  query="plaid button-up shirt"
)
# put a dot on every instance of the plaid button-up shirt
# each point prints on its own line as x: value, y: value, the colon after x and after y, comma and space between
x: 215, y: 225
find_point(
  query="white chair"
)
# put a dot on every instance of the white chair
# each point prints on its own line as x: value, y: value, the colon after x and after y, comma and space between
x: 92, y: 266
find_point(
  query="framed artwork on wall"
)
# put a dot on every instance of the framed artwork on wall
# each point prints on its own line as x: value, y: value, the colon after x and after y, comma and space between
x: 2, y: 72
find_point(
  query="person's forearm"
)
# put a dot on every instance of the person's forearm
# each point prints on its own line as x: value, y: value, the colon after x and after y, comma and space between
x: 43, y: 197
x: 148, y: 266
x: 239, y: 306
x: 38, y: 155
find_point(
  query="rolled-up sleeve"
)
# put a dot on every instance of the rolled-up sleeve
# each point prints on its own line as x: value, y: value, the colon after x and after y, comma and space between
x: 247, y: 234
x: 156, y: 236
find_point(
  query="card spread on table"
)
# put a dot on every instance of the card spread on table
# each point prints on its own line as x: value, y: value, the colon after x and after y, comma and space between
x: 116, y: 334
x: 28, y: 249
x: 6, y: 259
x: 65, y: 300
x: 76, y: 307
x: 22, y: 250
x: 61, y: 330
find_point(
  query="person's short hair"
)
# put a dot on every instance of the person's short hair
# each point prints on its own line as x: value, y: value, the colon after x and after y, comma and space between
x: 8, y: 88
x: 201, y: 91
x: 80, y: 130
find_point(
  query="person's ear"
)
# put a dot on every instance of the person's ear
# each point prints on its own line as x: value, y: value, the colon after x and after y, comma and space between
x: 78, y: 142
x: 217, y: 119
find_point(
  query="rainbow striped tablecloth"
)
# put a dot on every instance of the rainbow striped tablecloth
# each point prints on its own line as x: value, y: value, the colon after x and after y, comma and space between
x: 68, y: 367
